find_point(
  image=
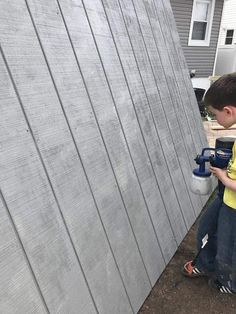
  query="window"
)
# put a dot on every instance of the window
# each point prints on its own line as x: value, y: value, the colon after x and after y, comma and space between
x: 201, y: 22
x: 229, y: 37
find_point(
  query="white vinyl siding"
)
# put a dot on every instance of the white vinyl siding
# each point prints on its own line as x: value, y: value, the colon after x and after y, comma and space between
x: 228, y: 22
x: 226, y: 54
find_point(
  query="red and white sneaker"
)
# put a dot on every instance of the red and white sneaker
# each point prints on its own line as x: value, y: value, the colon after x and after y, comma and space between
x: 191, y: 271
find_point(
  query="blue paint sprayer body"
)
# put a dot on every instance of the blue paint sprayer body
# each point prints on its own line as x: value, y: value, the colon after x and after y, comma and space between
x: 201, y: 177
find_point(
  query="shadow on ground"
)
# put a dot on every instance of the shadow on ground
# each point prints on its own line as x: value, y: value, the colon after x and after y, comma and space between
x: 176, y: 294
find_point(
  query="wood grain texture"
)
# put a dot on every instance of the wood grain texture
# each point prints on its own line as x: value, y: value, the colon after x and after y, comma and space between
x: 128, y: 120
x: 105, y: 193
x: 190, y: 109
x: 165, y: 70
x: 18, y: 290
x: 34, y: 210
x: 165, y: 8
x: 64, y: 165
x: 141, y: 101
x: 23, y: 179
x: 144, y: 118
x: 109, y: 125
x: 96, y: 153
x: 165, y: 120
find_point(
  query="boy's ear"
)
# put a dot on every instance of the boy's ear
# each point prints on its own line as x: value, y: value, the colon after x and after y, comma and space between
x: 230, y: 110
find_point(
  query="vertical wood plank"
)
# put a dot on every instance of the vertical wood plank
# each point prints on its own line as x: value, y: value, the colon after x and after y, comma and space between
x: 110, y: 128
x: 97, y: 165
x: 164, y: 72
x: 128, y: 120
x: 159, y: 94
x: 163, y: 29
x: 32, y: 204
x: 141, y: 102
x: 97, y: 139
x: 18, y: 290
x: 62, y: 160
x: 153, y: 24
x: 168, y: 23
x: 126, y: 80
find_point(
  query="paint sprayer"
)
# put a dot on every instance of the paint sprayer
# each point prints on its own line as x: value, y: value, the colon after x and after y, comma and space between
x: 201, y: 178
x: 218, y: 157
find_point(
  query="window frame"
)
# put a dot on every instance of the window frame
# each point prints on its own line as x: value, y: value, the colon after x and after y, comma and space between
x: 206, y: 41
x: 229, y: 29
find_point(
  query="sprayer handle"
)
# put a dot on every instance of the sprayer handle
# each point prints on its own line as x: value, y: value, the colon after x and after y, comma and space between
x: 207, y: 149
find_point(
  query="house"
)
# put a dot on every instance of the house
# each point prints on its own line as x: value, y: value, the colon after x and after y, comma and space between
x: 226, y: 54
x: 198, y: 24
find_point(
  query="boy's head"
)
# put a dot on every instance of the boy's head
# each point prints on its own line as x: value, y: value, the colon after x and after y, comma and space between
x: 221, y: 99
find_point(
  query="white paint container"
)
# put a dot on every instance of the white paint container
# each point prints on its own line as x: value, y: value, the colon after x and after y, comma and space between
x: 201, y: 185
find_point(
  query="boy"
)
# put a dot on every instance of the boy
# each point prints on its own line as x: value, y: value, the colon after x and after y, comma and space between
x: 218, y: 258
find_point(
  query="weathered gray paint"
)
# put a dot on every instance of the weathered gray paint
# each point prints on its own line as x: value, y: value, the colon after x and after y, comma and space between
x: 97, y: 149
x: 199, y: 58
x: 18, y: 287
x: 185, y: 85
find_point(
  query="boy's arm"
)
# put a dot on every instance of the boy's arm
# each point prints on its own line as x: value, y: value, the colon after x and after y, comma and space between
x: 221, y: 174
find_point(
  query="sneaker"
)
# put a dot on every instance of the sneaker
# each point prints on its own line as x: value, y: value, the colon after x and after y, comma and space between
x: 214, y: 283
x: 191, y: 271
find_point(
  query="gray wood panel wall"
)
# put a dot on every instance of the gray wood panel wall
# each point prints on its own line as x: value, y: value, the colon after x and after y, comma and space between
x: 200, y: 58
x: 98, y: 130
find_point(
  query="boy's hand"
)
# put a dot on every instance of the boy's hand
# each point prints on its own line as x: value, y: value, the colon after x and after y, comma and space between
x: 221, y: 174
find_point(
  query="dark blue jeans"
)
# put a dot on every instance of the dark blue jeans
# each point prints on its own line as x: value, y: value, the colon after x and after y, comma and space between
x: 218, y: 257
x: 208, y: 225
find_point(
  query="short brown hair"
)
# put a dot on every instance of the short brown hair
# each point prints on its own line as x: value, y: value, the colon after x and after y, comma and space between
x: 222, y: 92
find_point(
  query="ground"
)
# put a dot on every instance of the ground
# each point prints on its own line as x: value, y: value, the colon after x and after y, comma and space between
x: 176, y: 294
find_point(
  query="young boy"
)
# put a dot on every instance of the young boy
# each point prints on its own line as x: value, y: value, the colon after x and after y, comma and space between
x: 218, y: 258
